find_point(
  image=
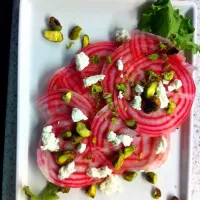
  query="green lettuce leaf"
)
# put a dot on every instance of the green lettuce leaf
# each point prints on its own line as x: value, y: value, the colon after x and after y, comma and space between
x: 29, y: 193
x: 162, y: 19
x: 49, y: 193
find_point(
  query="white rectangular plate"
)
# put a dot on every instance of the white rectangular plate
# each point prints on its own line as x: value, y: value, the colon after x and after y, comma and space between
x: 37, y: 61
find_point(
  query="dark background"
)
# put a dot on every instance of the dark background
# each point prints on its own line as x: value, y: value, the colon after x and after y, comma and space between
x: 5, y: 33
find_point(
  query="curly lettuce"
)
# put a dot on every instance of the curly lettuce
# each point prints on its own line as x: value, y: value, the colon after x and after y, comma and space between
x: 162, y: 19
x: 49, y: 193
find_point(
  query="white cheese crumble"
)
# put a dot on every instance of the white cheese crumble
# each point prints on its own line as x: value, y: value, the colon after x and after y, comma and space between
x: 165, y: 82
x: 122, y: 76
x: 99, y: 172
x: 117, y: 139
x: 137, y: 102
x: 120, y: 95
x: 139, y: 89
x: 81, y: 147
x: 48, y: 129
x: 92, y: 80
x: 122, y: 35
x: 120, y: 65
x: 161, y: 145
x: 66, y: 170
x: 110, y: 185
x: 77, y: 115
x: 162, y: 95
x: 176, y: 84
x: 125, y: 139
x: 82, y: 61
x: 50, y: 142
x: 113, y: 138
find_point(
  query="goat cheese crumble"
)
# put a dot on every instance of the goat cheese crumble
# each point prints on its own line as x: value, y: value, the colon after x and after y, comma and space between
x: 49, y: 141
x: 161, y: 145
x: 92, y: 80
x: 122, y: 35
x: 66, y: 170
x: 77, y: 115
x: 99, y: 172
x: 82, y: 61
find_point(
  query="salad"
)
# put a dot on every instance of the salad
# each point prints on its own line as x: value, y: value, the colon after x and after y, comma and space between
x: 111, y: 112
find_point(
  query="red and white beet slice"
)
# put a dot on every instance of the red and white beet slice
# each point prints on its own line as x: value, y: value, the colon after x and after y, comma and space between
x: 47, y: 160
x: 52, y: 103
x: 69, y: 78
x: 159, y: 122
x: 144, y: 157
x: 141, y: 44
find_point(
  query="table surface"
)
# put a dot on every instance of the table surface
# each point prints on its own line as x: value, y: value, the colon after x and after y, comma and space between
x: 9, y: 164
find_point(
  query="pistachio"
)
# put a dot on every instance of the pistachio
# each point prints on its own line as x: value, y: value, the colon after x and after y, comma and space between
x: 167, y: 65
x: 174, y: 198
x: 121, y: 87
x: 107, y: 95
x: 95, y: 59
x: 156, y: 194
x: 96, y: 89
x: 168, y: 76
x: 91, y: 191
x: 66, y: 135
x: 150, y: 90
x: 164, y: 57
x: 53, y: 36
x: 108, y: 59
x: 129, y: 176
x: 82, y: 130
x: 171, y: 106
x: 67, y: 97
x: 151, y: 105
x: 143, y: 83
x: 109, y: 100
x: 75, y: 33
x: 131, y: 123
x: 151, y: 177
x: 76, y: 139
x: 172, y: 51
x: 94, y: 140
x: 152, y: 75
x: 140, y: 155
x: 86, y: 41
x: 54, y: 24
x: 153, y: 56
x: 128, y: 151
x: 118, y: 160
x: 66, y: 157
x: 113, y: 120
x: 69, y: 46
x: 64, y: 189
x: 163, y: 45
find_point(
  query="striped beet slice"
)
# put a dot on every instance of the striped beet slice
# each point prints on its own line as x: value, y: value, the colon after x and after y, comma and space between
x: 144, y: 157
x: 102, y: 49
x: 47, y: 160
x: 52, y: 103
x: 141, y: 44
x: 69, y: 78
x: 156, y: 123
